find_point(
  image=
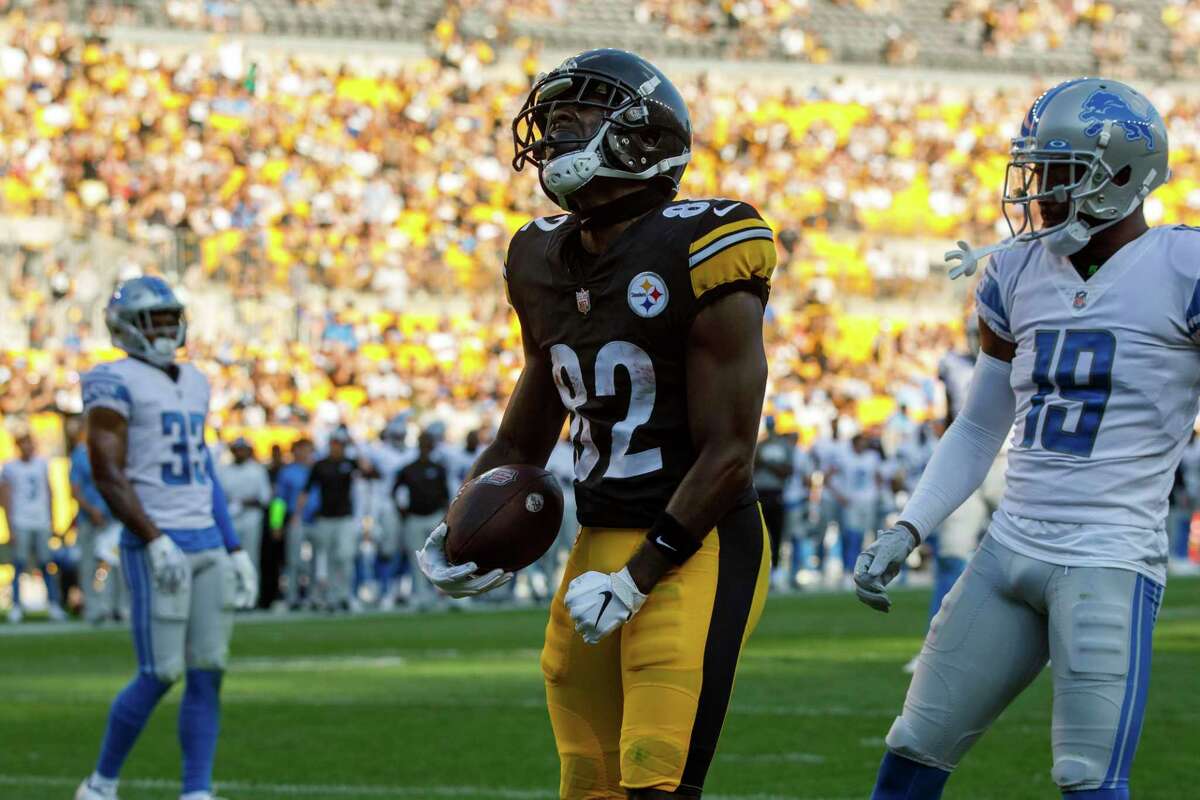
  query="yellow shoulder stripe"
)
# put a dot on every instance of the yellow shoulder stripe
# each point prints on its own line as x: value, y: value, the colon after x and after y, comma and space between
x: 732, y: 227
x: 752, y: 258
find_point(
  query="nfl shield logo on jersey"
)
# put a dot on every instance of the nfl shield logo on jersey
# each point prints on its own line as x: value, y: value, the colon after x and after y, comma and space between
x: 648, y: 294
x: 1080, y: 299
x: 583, y: 301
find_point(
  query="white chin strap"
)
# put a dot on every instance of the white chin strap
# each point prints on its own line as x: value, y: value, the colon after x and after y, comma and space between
x: 570, y: 172
x: 1075, y: 235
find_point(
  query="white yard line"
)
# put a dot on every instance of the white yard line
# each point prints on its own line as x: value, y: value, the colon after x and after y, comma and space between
x: 254, y: 788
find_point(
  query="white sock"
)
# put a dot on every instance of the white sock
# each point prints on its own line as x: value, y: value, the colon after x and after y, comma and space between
x: 196, y: 796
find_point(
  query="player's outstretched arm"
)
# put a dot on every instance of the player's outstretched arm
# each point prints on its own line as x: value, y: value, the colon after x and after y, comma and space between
x: 727, y: 379
x: 532, y: 421
x: 959, y: 465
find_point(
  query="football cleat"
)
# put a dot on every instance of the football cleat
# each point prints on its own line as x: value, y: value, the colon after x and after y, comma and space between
x: 15, y: 615
x: 88, y: 790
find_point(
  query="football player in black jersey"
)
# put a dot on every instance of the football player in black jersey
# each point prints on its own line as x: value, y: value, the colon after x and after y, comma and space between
x: 641, y: 317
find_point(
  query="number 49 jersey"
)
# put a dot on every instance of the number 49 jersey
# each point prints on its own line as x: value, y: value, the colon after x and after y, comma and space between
x: 1106, y: 376
x: 615, y: 329
x: 166, y: 458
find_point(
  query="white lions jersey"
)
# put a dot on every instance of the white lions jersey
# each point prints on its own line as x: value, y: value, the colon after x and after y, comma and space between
x: 1106, y: 376
x: 388, y: 461
x: 166, y: 459
x: 29, y: 490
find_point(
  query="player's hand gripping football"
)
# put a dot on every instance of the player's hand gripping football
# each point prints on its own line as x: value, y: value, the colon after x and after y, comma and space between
x: 600, y: 603
x: 879, y: 564
x: 246, y: 592
x: 168, y: 564
x: 457, y: 580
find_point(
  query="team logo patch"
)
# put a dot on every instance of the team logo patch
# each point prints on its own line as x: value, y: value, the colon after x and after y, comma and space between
x: 648, y: 295
x: 1080, y: 299
x: 500, y: 476
x: 534, y: 502
x: 1103, y: 106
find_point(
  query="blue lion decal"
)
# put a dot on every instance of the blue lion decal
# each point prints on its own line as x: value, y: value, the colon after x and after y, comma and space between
x: 1103, y: 106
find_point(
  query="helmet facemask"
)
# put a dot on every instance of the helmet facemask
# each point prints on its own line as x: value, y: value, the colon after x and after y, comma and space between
x: 612, y: 136
x: 156, y: 334
x: 1086, y: 192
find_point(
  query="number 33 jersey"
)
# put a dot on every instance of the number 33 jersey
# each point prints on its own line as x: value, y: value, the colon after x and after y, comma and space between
x: 1106, y: 376
x: 166, y: 458
x: 615, y: 330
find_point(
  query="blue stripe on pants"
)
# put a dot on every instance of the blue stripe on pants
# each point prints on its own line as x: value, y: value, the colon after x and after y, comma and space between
x: 138, y: 576
x: 1146, y: 600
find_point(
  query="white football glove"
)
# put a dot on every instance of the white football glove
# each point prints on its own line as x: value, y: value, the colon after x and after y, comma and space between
x: 968, y: 259
x: 246, y: 593
x: 168, y: 565
x: 457, y: 580
x: 600, y: 603
x: 879, y: 564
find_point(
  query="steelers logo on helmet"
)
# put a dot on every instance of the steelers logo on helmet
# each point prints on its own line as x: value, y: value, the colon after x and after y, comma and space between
x: 648, y: 295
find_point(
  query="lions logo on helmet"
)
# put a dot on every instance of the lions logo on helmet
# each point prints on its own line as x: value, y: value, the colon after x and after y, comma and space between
x: 146, y: 320
x: 1090, y: 148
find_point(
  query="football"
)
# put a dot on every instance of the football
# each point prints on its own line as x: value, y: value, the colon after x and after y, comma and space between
x: 507, y: 517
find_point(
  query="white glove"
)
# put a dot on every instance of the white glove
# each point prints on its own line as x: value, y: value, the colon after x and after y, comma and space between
x: 879, y: 564
x: 599, y: 603
x: 968, y: 259
x: 246, y: 593
x: 457, y: 580
x: 168, y: 565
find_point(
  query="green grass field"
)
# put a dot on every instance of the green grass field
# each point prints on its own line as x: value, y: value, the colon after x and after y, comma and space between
x: 451, y: 706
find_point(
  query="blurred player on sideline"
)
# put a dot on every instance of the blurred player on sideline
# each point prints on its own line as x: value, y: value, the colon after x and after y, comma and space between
x: 26, y: 500
x: 146, y: 417
x: 248, y: 490
x: 1089, y: 325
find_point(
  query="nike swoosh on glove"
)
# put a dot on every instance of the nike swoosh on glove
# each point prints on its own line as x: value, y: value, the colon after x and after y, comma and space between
x: 168, y: 564
x: 246, y: 593
x: 879, y: 564
x: 600, y: 603
x: 456, y: 580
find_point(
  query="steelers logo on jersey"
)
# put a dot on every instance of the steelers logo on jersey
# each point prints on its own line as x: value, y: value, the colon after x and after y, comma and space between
x: 648, y: 295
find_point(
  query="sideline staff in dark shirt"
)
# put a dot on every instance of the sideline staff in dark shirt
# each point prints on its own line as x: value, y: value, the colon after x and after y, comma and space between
x: 425, y: 481
x: 333, y: 476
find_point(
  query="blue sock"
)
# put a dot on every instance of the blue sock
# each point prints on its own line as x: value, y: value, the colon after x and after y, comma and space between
x: 199, y: 724
x: 383, y: 574
x: 1098, y: 794
x: 18, y: 568
x: 126, y: 719
x: 903, y: 779
x: 51, y: 585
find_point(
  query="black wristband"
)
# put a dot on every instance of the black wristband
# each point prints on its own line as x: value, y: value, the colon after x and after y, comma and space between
x: 672, y: 539
x: 911, y: 529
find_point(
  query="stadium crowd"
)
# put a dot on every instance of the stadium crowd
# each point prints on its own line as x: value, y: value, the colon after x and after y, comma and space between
x: 348, y: 227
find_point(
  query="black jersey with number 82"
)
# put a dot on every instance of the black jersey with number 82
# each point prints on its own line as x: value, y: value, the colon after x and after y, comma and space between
x: 615, y: 329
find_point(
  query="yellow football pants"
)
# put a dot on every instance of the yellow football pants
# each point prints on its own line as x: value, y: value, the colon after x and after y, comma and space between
x: 644, y: 707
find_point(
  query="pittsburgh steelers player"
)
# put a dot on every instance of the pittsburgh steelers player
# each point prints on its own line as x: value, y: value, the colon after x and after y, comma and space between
x: 642, y: 318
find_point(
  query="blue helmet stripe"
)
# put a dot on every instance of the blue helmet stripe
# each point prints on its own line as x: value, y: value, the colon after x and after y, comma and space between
x: 1030, y: 123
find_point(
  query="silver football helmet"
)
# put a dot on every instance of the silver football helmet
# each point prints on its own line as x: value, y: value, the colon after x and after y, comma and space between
x: 146, y: 320
x: 1088, y: 147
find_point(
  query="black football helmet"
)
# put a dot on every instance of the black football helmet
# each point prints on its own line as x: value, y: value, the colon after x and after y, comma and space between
x: 644, y: 134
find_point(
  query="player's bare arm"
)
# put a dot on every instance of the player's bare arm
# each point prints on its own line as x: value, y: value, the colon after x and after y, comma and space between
x: 727, y: 378
x: 994, y: 346
x: 107, y: 442
x: 532, y: 421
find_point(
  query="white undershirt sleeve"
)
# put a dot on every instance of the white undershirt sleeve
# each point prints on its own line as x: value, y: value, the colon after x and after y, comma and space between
x: 965, y: 453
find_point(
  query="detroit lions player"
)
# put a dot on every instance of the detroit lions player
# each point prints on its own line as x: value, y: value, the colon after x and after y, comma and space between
x: 146, y: 418
x: 1089, y: 328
